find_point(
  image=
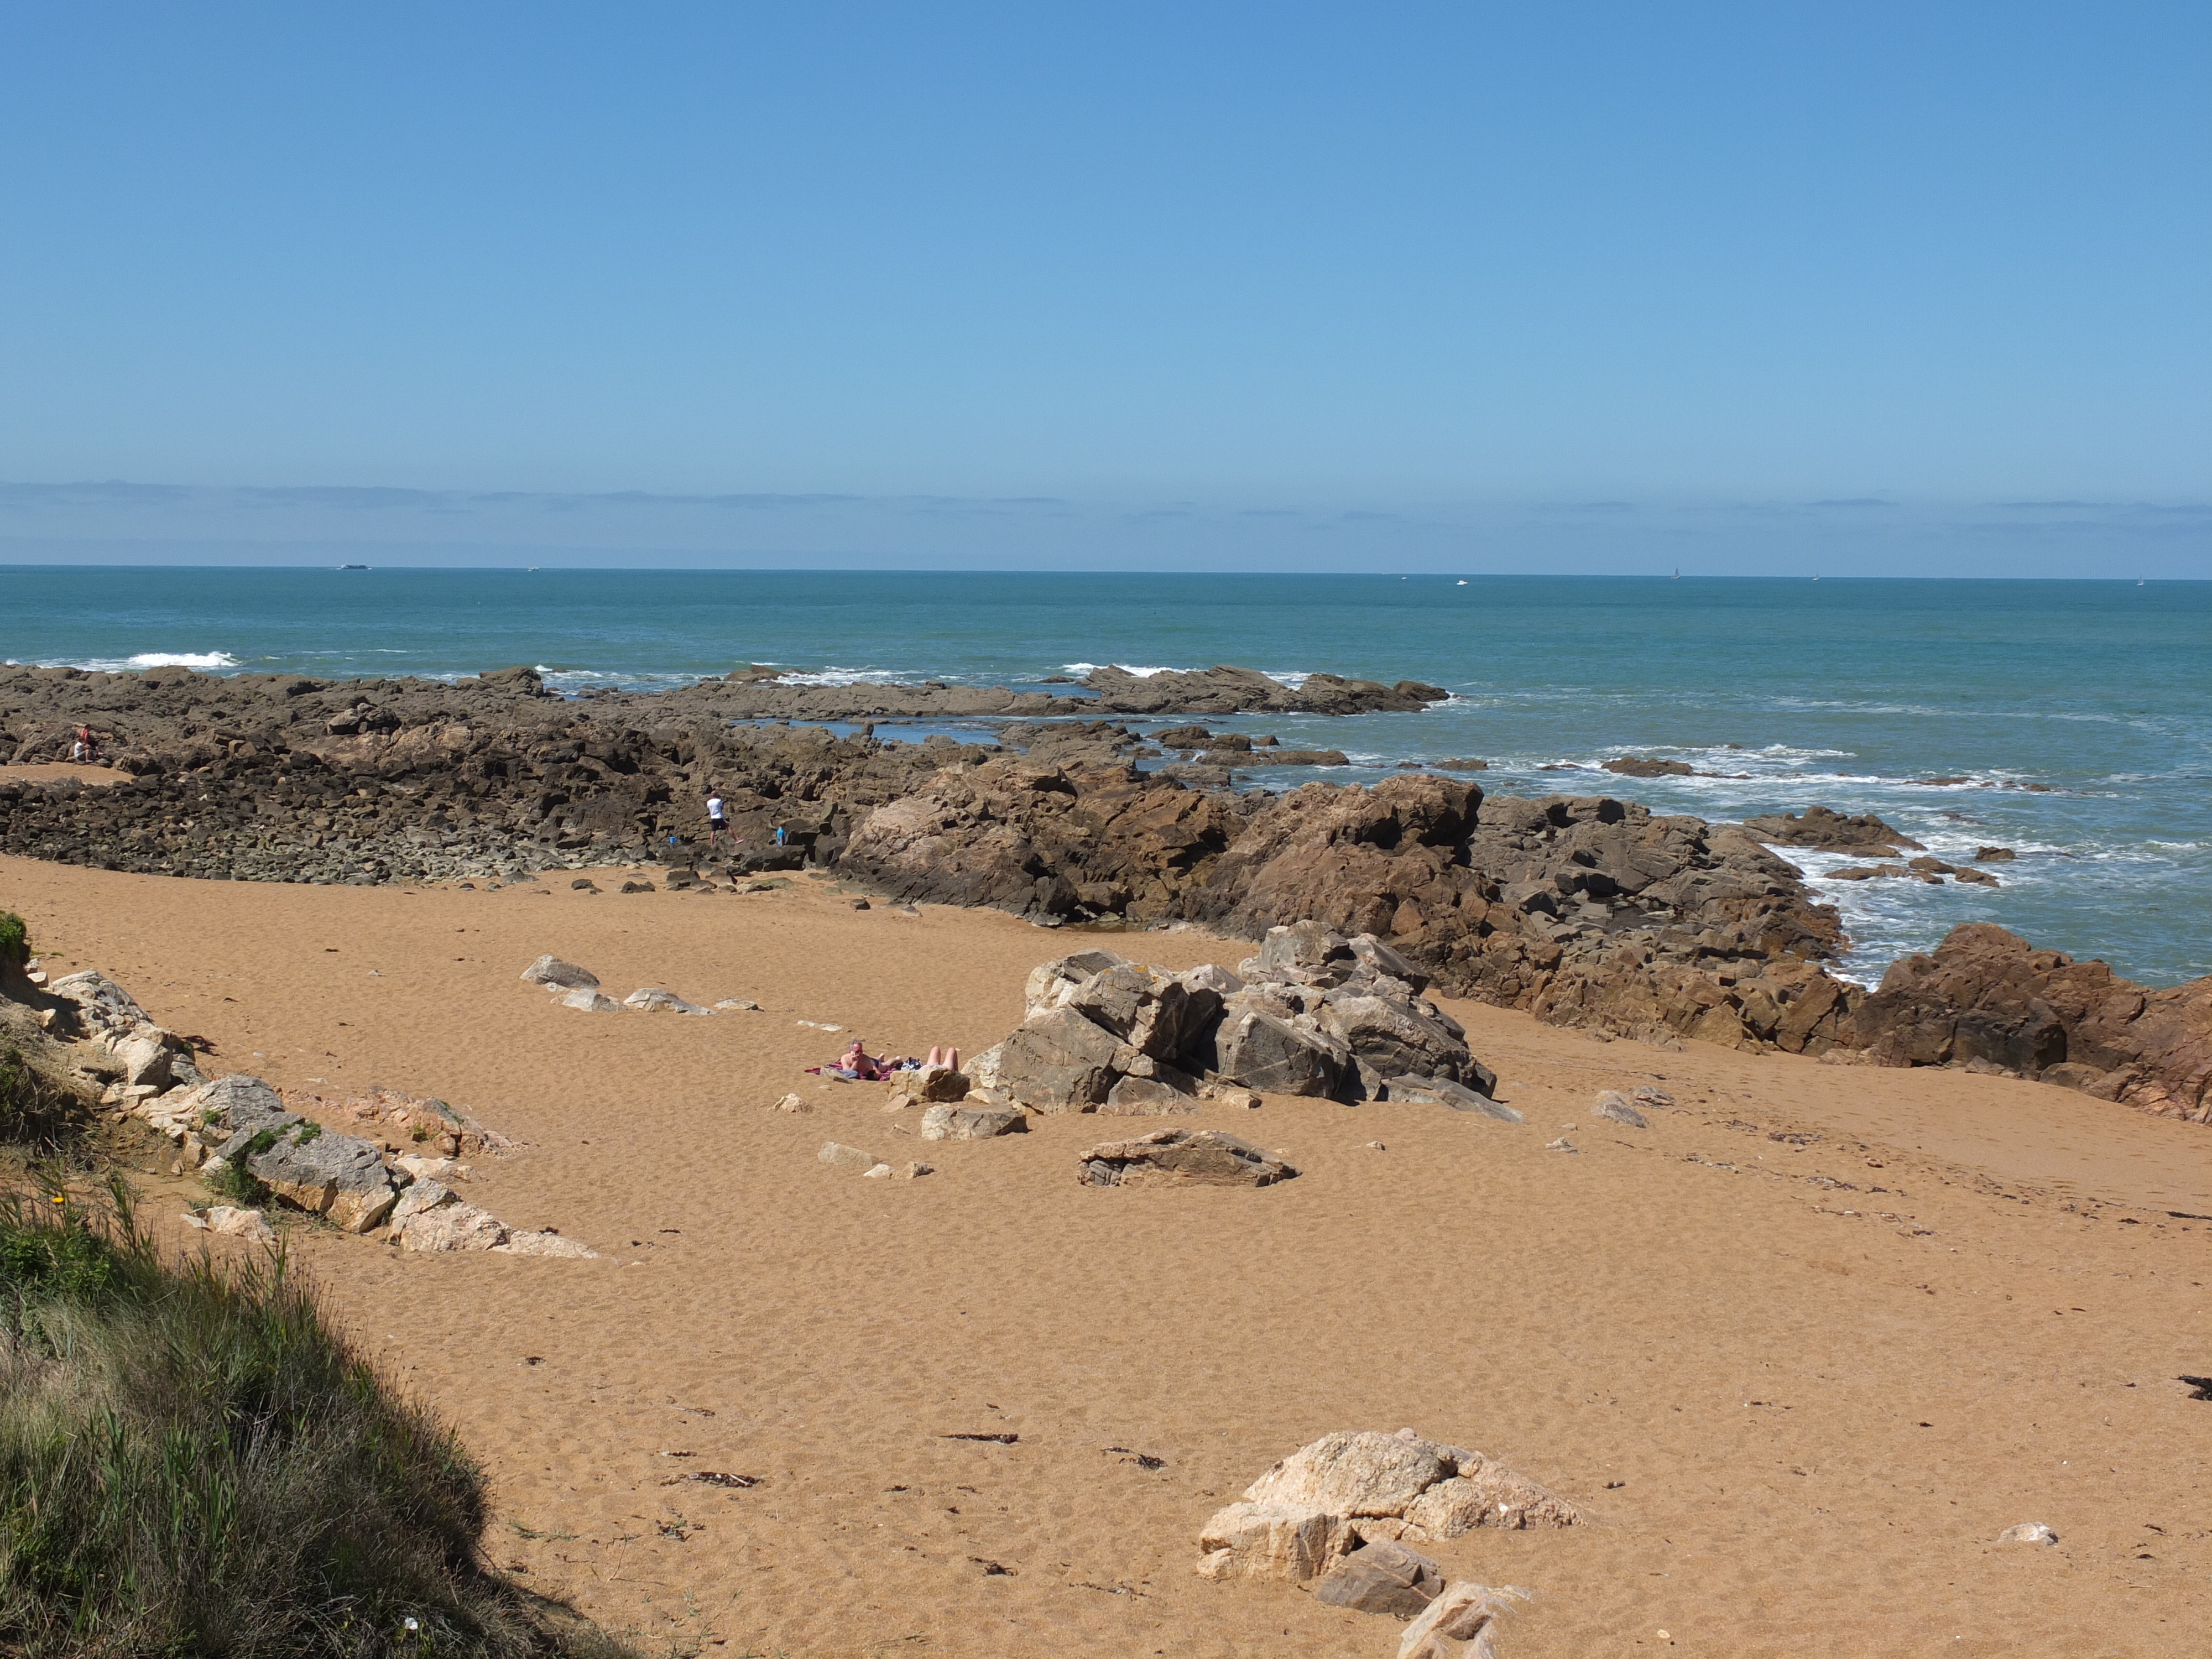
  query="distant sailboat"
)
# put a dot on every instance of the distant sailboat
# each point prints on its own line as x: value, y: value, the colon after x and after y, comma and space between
x: 1678, y: 572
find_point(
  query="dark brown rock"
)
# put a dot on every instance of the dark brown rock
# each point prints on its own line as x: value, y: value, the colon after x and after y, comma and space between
x: 1826, y: 829
x: 1987, y: 994
x: 1630, y: 766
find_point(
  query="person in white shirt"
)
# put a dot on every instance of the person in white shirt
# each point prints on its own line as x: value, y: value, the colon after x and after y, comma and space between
x: 715, y: 823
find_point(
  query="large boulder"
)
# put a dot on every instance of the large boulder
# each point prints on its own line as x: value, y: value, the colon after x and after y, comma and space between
x: 231, y: 1110
x: 1986, y: 994
x: 1051, y: 983
x: 1392, y: 1038
x: 1277, y: 1056
x: 1056, y: 1061
x: 338, y: 1178
x: 1341, y: 1490
x: 1182, y: 1157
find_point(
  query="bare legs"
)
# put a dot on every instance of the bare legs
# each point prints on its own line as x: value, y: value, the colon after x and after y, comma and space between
x: 948, y: 1058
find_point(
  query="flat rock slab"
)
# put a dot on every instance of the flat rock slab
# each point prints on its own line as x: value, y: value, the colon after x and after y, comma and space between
x: 840, y: 1156
x: 972, y: 1122
x: 1182, y: 1157
x: 1614, y: 1107
x: 1441, y: 1091
x: 1383, y: 1577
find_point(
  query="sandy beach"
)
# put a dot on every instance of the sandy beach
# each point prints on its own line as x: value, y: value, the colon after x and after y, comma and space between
x: 1799, y: 1350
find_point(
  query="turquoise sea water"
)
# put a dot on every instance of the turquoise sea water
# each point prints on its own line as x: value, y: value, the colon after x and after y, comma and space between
x: 1840, y: 692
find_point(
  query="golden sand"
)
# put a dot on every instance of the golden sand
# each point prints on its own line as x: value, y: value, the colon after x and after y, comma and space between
x: 1800, y: 1351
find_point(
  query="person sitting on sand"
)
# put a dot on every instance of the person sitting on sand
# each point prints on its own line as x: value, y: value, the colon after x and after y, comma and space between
x: 948, y: 1058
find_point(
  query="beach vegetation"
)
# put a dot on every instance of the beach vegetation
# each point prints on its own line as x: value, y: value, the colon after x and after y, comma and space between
x: 15, y: 939
x: 194, y: 1461
x: 36, y: 1113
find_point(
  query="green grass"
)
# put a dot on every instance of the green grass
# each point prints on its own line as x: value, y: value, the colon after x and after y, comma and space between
x: 194, y: 1464
x: 15, y: 938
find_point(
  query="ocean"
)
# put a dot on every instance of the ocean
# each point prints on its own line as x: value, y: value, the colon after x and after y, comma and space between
x: 1781, y: 693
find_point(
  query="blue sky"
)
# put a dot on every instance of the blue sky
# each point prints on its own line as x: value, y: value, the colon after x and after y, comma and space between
x: 1918, y: 288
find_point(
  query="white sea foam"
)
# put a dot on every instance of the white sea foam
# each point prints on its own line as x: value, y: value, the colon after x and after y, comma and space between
x: 203, y: 659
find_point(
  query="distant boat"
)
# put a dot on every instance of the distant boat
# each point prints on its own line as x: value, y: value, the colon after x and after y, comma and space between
x: 353, y: 567
x: 1462, y: 581
x: 1678, y: 572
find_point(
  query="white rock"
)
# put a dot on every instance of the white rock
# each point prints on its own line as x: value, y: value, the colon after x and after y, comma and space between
x: 590, y: 1001
x: 420, y: 1196
x: 426, y: 1169
x: 233, y: 1223
x: 880, y: 1172
x: 452, y: 1227
x: 846, y: 1157
x: 545, y: 1243
x: 1562, y: 1145
x: 2027, y: 1532
x: 793, y: 1103
x: 1461, y: 1623
x: 551, y: 971
x: 738, y: 1005
x: 652, y: 998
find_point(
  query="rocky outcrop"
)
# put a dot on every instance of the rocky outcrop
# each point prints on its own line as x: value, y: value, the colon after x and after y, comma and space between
x: 1987, y: 996
x: 1245, y: 690
x: 1585, y: 910
x: 1314, y: 1013
x: 1825, y: 830
x: 1317, y: 1506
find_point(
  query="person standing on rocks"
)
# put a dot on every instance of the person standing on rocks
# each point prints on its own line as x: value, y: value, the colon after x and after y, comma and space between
x: 716, y: 825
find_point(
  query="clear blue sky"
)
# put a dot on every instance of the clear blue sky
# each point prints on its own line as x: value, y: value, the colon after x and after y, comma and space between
x: 1527, y: 284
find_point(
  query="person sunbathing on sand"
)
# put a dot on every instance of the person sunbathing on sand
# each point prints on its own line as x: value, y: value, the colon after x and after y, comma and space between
x: 861, y: 1064
x: 948, y: 1058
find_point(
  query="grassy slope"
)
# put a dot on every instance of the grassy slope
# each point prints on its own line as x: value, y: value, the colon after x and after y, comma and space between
x: 193, y: 1462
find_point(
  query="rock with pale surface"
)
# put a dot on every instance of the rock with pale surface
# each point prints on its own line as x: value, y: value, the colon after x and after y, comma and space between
x: 937, y: 1083
x: 545, y: 1243
x: 794, y: 1103
x: 551, y: 971
x: 420, y: 1196
x: 972, y: 1122
x: 452, y: 1227
x: 590, y: 999
x: 1443, y: 1091
x: 339, y: 1177
x: 652, y: 998
x: 2027, y: 1532
x: 1461, y: 1623
x: 232, y: 1223
x: 840, y: 1156
x: 1327, y: 1498
x: 1614, y: 1107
